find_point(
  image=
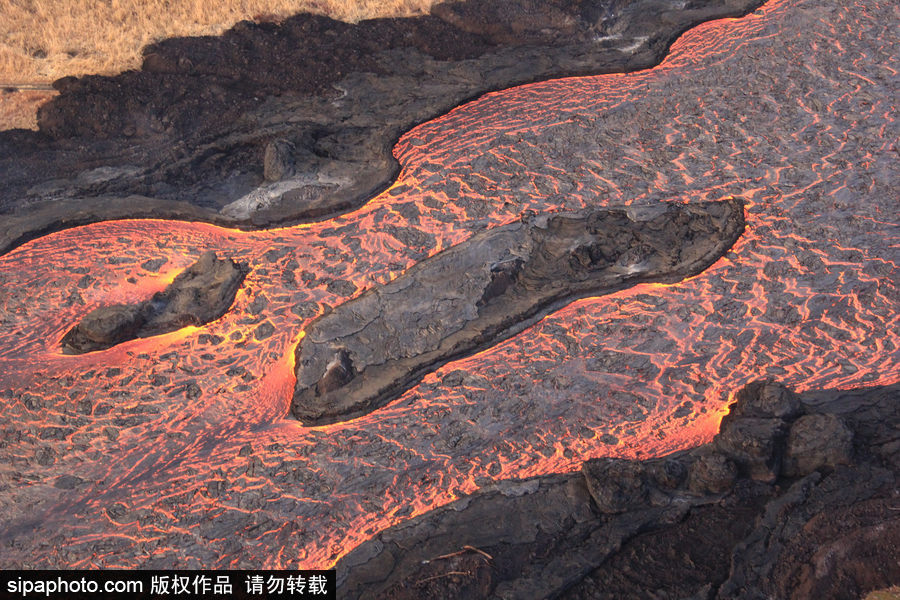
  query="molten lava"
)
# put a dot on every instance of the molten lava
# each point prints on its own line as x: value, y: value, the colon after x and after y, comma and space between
x: 177, y: 449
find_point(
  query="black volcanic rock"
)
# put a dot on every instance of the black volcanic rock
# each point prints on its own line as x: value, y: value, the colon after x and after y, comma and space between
x: 367, y: 351
x: 817, y: 441
x: 273, y: 124
x: 199, y: 294
x: 711, y: 473
x: 764, y: 399
x: 641, y: 529
x: 754, y: 444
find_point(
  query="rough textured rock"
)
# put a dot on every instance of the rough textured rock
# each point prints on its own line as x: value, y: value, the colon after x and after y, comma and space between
x: 817, y: 441
x: 643, y: 529
x: 616, y: 485
x: 754, y: 444
x: 711, y: 473
x: 199, y: 294
x: 764, y: 400
x: 368, y: 350
x: 204, y: 132
x: 753, y: 434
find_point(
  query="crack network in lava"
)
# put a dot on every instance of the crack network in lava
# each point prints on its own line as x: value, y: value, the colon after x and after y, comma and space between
x: 176, y: 450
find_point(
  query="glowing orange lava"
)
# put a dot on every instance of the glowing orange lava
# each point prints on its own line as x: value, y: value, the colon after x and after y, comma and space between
x: 181, y: 443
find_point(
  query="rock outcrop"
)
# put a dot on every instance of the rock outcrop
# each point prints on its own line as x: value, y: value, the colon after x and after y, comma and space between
x: 273, y: 124
x: 367, y: 351
x: 717, y: 521
x: 199, y: 294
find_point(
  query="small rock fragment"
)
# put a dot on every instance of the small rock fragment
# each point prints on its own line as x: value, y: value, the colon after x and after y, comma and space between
x: 278, y: 160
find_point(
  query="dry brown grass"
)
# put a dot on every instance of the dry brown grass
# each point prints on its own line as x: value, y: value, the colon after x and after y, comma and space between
x: 43, y: 40
x: 19, y: 109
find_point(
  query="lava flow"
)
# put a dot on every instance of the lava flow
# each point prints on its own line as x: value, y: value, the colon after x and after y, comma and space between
x: 177, y: 450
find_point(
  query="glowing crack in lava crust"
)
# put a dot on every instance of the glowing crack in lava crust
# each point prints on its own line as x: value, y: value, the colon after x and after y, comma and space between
x: 177, y: 450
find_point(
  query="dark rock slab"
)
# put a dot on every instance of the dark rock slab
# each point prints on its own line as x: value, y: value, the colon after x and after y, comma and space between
x: 642, y: 529
x: 478, y: 547
x: 273, y: 124
x: 367, y: 351
x: 199, y: 294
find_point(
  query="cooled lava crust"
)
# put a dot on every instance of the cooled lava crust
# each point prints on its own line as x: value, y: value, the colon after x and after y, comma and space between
x: 474, y: 295
x: 277, y: 123
x: 174, y: 451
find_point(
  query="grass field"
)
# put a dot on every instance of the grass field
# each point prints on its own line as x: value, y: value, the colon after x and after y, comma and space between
x: 43, y: 40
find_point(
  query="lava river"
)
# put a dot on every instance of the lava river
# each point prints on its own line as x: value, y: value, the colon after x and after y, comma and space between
x: 177, y: 450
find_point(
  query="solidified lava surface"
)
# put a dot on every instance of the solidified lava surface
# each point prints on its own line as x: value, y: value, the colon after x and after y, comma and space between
x: 201, y: 293
x: 792, y: 498
x: 367, y: 351
x: 275, y: 124
x: 175, y: 450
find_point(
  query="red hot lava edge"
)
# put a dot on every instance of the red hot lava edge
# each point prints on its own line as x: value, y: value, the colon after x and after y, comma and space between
x: 176, y: 450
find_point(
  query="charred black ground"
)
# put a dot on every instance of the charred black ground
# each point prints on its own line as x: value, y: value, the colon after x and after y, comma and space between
x: 273, y: 124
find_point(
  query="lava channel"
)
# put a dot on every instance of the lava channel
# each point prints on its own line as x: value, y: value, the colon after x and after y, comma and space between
x: 175, y: 450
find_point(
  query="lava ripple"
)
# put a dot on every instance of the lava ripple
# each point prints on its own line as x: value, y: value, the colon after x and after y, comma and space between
x: 177, y: 450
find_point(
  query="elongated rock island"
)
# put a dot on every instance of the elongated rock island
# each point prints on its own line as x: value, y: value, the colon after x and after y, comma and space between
x: 369, y: 350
